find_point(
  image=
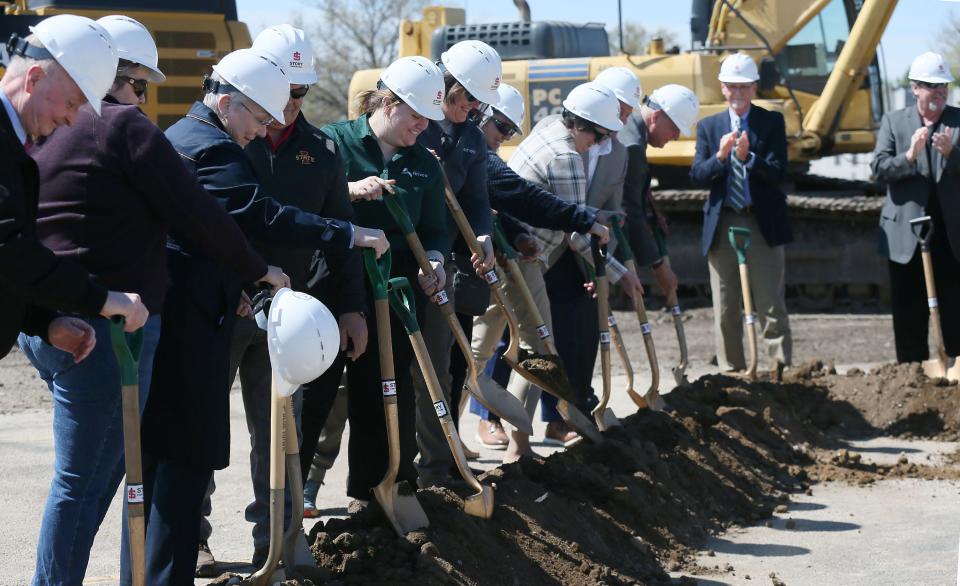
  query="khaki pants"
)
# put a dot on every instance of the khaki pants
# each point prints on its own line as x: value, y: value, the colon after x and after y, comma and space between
x: 767, y: 284
x: 488, y: 330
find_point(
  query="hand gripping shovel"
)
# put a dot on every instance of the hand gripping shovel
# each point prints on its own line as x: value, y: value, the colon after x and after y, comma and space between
x: 601, y: 413
x: 127, y: 348
x: 651, y: 399
x: 479, y: 504
x: 398, y: 501
x: 749, y: 317
x: 942, y: 366
x: 486, y: 390
x: 565, y: 400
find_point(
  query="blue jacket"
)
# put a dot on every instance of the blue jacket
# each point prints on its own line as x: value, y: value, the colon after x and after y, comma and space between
x: 768, y: 142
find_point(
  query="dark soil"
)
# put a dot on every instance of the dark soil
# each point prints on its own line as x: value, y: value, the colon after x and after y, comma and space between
x: 549, y: 369
x: 727, y: 453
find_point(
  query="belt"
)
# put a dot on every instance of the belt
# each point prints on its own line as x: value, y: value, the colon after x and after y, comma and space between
x: 744, y: 211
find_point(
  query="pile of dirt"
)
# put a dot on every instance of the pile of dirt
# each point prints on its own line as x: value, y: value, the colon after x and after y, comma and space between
x: 641, y: 503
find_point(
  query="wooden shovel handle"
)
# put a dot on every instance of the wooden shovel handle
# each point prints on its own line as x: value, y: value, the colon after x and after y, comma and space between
x: 934, y: 305
x: 749, y: 319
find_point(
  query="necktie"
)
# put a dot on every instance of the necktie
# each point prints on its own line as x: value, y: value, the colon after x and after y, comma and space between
x: 738, y: 176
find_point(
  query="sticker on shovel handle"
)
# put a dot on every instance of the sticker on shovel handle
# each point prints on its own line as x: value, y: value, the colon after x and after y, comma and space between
x: 441, y: 298
x: 932, y: 302
x: 645, y: 328
x: 675, y: 310
x: 389, y: 387
x: 490, y: 277
x: 611, y: 321
x: 134, y: 494
x: 441, y: 408
x: 543, y: 331
x: 605, y: 338
x: 750, y: 319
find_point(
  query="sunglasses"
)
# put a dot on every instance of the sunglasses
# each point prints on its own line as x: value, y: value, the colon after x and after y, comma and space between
x: 931, y: 86
x: 505, y: 128
x: 266, y: 122
x: 296, y: 94
x: 598, y: 135
x: 139, y: 85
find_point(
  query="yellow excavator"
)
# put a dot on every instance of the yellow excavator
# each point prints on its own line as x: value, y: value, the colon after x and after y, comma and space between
x: 191, y: 36
x: 818, y: 66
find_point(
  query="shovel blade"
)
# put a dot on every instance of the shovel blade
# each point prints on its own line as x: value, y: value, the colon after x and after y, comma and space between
x: 934, y: 369
x: 580, y: 422
x: 679, y: 376
x: 498, y: 400
x: 607, y: 420
x: 480, y: 504
x: 401, y: 507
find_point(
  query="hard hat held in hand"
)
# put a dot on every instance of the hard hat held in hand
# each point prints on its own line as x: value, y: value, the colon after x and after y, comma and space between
x: 623, y: 83
x: 509, y: 103
x: 419, y: 83
x: 930, y: 68
x: 679, y: 103
x: 477, y: 66
x: 84, y: 49
x: 594, y: 102
x: 738, y: 68
x: 291, y: 47
x: 303, y: 339
x: 134, y: 43
x: 258, y: 76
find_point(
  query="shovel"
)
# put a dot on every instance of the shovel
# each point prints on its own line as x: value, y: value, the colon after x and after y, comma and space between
x: 479, y: 504
x: 398, y: 500
x: 485, y: 389
x: 679, y: 371
x: 624, y: 357
x: 127, y: 349
x: 749, y: 317
x: 571, y: 414
x: 651, y: 399
x: 942, y: 366
x: 601, y: 414
x: 277, y: 483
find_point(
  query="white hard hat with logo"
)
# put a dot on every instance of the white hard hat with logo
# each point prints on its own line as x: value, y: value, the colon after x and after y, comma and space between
x: 930, y: 68
x: 258, y: 76
x: 134, y: 43
x: 84, y: 49
x: 477, y: 66
x: 510, y: 104
x: 679, y: 103
x: 594, y: 102
x: 418, y: 82
x: 291, y: 47
x: 738, y: 68
x: 303, y: 339
x: 623, y: 83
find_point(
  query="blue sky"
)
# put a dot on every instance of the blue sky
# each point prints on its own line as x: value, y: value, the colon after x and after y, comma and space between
x: 912, y: 29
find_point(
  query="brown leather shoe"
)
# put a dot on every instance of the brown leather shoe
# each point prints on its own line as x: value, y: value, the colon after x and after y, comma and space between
x: 558, y: 433
x: 490, y: 434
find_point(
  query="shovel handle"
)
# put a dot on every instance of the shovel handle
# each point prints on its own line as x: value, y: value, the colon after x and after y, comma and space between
x: 599, y: 259
x: 502, y: 242
x: 127, y: 347
x: 735, y: 232
x: 378, y: 271
x: 922, y: 228
x: 398, y: 210
x: 618, y: 224
x: 403, y: 304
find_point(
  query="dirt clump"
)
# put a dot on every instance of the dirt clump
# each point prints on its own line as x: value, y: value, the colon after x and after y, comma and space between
x: 549, y: 369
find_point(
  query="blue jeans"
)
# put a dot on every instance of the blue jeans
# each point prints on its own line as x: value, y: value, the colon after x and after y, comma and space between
x: 88, y: 446
x: 499, y: 371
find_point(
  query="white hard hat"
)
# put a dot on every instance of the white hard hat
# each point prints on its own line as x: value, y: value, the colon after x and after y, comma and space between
x: 477, y: 66
x: 623, y: 83
x: 134, y: 43
x: 594, y: 102
x: 738, y: 68
x: 418, y: 82
x: 303, y: 339
x: 509, y: 103
x: 679, y: 103
x: 85, y: 51
x: 258, y: 76
x: 291, y: 47
x: 930, y: 68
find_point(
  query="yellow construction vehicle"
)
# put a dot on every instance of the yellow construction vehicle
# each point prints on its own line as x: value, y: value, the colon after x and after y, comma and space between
x: 191, y: 36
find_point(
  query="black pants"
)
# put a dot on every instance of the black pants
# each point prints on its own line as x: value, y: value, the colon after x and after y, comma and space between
x: 908, y: 295
x: 458, y: 368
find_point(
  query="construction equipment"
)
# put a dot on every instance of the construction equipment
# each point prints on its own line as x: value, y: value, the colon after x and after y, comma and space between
x: 490, y: 394
x: 512, y: 355
x: 740, y: 241
x: 127, y: 349
x: 398, y: 500
x: 602, y: 414
x: 943, y: 366
x: 479, y: 504
x: 191, y: 36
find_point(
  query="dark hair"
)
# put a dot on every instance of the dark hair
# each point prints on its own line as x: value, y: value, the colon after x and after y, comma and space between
x: 369, y: 100
x: 571, y: 120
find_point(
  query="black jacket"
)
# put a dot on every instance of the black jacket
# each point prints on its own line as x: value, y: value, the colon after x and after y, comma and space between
x: 33, y: 281
x: 307, y: 172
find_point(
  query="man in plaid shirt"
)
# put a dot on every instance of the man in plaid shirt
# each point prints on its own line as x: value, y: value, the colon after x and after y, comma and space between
x: 551, y: 157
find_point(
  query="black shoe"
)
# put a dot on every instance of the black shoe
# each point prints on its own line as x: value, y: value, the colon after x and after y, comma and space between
x: 206, y: 564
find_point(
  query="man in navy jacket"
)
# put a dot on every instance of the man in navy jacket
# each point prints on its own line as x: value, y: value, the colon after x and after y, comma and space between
x: 742, y: 156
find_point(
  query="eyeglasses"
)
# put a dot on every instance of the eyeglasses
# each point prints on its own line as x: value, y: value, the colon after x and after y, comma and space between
x: 505, y: 128
x: 139, y: 85
x: 469, y: 97
x: 598, y: 135
x: 930, y: 86
x: 266, y: 122
x: 298, y: 93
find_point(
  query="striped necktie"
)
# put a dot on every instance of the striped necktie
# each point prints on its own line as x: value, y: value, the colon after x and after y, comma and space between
x: 736, y: 197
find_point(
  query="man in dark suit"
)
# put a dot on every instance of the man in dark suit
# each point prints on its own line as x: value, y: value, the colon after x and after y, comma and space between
x: 916, y: 156
x: 742, y: 156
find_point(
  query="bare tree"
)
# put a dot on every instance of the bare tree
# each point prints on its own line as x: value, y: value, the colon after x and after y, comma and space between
x: 636, y: 37
x: 948, y: 43
x: 349, y: 35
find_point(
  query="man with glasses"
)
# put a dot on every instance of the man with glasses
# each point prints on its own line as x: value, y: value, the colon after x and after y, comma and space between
x: 916, y: 156
x: 741, y: 156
